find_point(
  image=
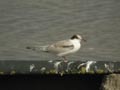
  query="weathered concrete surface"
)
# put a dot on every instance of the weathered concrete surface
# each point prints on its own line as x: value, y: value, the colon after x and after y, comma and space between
x: 111, y: 82
x: 58, y: 67
x: 40, y: 22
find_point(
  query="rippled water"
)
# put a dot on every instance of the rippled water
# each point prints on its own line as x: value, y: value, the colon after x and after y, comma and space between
x: 40, y: 22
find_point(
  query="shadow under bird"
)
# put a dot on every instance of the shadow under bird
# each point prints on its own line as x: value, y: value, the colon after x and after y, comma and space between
x: 62, y: 48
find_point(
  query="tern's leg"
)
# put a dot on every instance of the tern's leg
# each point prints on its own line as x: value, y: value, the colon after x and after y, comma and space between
x: 64, y: 58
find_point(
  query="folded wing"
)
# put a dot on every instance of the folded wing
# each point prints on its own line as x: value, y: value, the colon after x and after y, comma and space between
x: 61, y: 46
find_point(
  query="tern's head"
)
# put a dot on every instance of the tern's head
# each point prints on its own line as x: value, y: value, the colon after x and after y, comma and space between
x: 79, y: 37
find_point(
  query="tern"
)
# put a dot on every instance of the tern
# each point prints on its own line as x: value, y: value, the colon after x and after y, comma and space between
x: 62, y: 48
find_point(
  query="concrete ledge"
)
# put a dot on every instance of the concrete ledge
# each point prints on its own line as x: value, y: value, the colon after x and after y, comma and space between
x: 111, y: 82
x: 59, y: 67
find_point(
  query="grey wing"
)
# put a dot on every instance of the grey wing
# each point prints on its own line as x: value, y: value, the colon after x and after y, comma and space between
x: 61, y: 46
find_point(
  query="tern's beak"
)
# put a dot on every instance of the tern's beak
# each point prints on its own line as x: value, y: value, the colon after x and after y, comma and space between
x: 84, y: 40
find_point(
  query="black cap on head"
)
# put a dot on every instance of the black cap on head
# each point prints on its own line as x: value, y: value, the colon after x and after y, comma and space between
x: 75, y: 37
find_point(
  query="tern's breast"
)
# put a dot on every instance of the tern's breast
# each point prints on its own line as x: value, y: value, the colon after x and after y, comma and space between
x: 76, y: 44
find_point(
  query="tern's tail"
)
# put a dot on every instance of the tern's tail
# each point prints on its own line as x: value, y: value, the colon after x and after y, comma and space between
x: 38, y: 48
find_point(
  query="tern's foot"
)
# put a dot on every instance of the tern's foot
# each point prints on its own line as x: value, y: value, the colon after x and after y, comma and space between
x: 65, y: 61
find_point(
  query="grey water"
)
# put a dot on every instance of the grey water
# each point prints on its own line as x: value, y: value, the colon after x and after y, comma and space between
x: 41, y: 22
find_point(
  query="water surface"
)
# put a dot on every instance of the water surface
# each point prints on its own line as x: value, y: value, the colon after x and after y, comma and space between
x: 41, y: 22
